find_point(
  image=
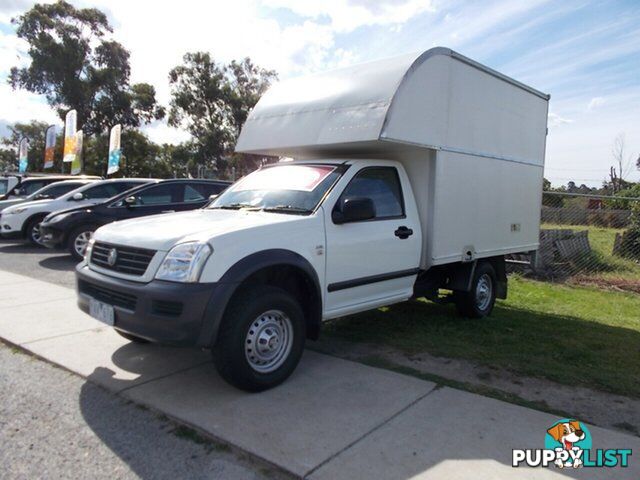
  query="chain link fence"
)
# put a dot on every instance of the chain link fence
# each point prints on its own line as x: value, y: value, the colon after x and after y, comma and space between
x: 586, y: 239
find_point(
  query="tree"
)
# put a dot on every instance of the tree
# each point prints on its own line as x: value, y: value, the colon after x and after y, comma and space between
x: 75, y: 65
x: 34, y: 132
x: 212, y: 100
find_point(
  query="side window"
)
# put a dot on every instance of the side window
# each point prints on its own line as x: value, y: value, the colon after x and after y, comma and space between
x: 55, y: 191
x: 118, y: 188
x: 31, y: 187
x: 201, y: 191
x: 380, y: 184
x: 194, y: 193
x: 161, y: 194
x: 108, y: 190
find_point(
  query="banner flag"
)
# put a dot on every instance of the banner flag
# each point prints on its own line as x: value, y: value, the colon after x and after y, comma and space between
x: 76, y: 165
x: 70, y: 125
x: 23, y: 152
x: 115, y: 151
x: 49, y: 146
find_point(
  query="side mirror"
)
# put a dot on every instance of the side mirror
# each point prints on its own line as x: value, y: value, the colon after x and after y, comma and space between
x: 354, y: 209
x: 213, y: 197
x: 78, y: 196
x: 130, y: 201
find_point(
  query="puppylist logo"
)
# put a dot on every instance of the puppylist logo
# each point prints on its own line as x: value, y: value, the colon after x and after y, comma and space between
x: 567, y: 444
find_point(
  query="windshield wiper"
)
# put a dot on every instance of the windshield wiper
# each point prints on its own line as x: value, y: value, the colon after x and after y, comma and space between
x: 237, y: 206
x: 287, y: 209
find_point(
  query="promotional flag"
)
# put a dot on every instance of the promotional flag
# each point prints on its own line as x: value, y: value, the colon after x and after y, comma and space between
x: 23, y: 152
x: 76, y: 165
x: 114, y: 150
x: 70, y: 125
x: 49, y: 146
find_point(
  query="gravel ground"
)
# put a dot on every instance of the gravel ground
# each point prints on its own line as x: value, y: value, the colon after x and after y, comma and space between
x: 54, y: 424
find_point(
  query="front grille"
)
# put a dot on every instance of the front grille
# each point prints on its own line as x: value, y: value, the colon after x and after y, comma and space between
x: 106, y: 295
x: 169, y: 309
x: 129, y: 260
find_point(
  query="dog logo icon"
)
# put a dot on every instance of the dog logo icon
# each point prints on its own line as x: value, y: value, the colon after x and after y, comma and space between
x: 569, y: 438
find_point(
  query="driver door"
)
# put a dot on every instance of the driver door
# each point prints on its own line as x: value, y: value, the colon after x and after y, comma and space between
x: 368, y: 263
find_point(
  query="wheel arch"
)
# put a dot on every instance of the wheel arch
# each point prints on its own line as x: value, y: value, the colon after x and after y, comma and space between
x: 28, y: 220
x: 277, y: 267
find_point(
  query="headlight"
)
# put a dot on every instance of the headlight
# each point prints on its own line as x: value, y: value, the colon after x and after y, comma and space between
x: 184, y: 262
x: 16, y: 210
x: 87, y: 252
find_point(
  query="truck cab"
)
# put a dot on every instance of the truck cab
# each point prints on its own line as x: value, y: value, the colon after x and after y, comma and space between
x: 365, y: 216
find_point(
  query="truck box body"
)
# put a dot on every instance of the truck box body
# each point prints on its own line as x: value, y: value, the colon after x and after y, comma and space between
x: 471, y: 139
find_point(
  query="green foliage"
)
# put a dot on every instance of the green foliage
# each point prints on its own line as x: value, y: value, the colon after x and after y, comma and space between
x: 632, y: 191
x: 34, y: 132
x: 76, y: 65
x: 211, y: 101
x: 630, y: 242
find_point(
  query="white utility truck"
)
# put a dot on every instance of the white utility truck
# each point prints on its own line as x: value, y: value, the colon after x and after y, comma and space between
x: 412, y: 175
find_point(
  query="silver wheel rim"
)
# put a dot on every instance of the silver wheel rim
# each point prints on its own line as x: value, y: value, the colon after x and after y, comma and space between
x: 484, y: 291
x: 35, y: 234
x: 81, y: 241
x: 268, y: 341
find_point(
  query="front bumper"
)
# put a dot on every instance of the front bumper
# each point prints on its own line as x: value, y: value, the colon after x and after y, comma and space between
x: 160, y: 311
x: 51, y: 237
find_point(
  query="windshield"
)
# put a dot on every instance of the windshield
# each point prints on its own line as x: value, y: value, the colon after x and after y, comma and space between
x: 4, y: 183
x: 293, y: 189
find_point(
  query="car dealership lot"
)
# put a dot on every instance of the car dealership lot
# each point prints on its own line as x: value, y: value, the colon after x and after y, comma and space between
x: 332, y: 419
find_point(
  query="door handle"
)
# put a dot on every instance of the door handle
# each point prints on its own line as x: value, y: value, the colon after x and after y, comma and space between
x: 168, y: 211
x: 403, y: 233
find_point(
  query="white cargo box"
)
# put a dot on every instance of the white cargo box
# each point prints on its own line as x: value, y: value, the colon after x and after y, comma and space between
x: 471, y: 139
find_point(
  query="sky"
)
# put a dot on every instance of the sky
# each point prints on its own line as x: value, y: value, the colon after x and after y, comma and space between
x: 586, y: 54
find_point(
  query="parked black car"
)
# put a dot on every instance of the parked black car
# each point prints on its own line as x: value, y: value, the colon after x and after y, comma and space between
x: 73, y: 228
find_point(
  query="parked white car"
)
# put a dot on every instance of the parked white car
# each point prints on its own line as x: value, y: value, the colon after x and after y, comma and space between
x: 23, y: 221
x: 51, y: 191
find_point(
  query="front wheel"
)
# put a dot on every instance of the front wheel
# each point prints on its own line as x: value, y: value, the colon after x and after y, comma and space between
x: 33, y: 231
x: 478, y: 302
x: 79, y: 239
x: 261, y: 339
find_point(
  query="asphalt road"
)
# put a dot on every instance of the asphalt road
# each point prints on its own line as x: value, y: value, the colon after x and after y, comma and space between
x: 54, y: 424
x: 55, y: 266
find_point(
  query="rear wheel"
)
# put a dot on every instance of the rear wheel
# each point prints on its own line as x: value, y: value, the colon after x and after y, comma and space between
x: 478, y: 302
x: 261, y: 339
x: 33, y: 231
x: 79, y: 239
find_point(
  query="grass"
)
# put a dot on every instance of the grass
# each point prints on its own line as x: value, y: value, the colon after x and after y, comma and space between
x: 602, y: 263
x: 568, y: 334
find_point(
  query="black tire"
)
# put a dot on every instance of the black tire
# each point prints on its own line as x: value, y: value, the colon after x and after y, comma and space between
x: 73, y: 235
x: 132, y: 338
x: 232, y: 350
x: 30, y: 230
x: 468, y: 303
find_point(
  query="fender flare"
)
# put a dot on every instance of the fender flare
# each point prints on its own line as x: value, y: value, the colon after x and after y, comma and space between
x: 242, y: 270
x: 25, y: 224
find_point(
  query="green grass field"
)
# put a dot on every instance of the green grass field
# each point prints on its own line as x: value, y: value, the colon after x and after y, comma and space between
x: 603, y: 264
x: 569, y: 334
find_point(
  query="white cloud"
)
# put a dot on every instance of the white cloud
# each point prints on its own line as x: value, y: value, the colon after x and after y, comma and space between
x: 22, y: 106
x: 347, y: 15
x: 596, y: 102
x: 555, y: 120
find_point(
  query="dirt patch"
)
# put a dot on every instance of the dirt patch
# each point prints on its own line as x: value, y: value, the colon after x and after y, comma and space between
x: 618, y: 285
x: 599, y: 408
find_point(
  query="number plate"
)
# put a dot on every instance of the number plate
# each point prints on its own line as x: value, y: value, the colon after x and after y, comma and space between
x: 101, y: 311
